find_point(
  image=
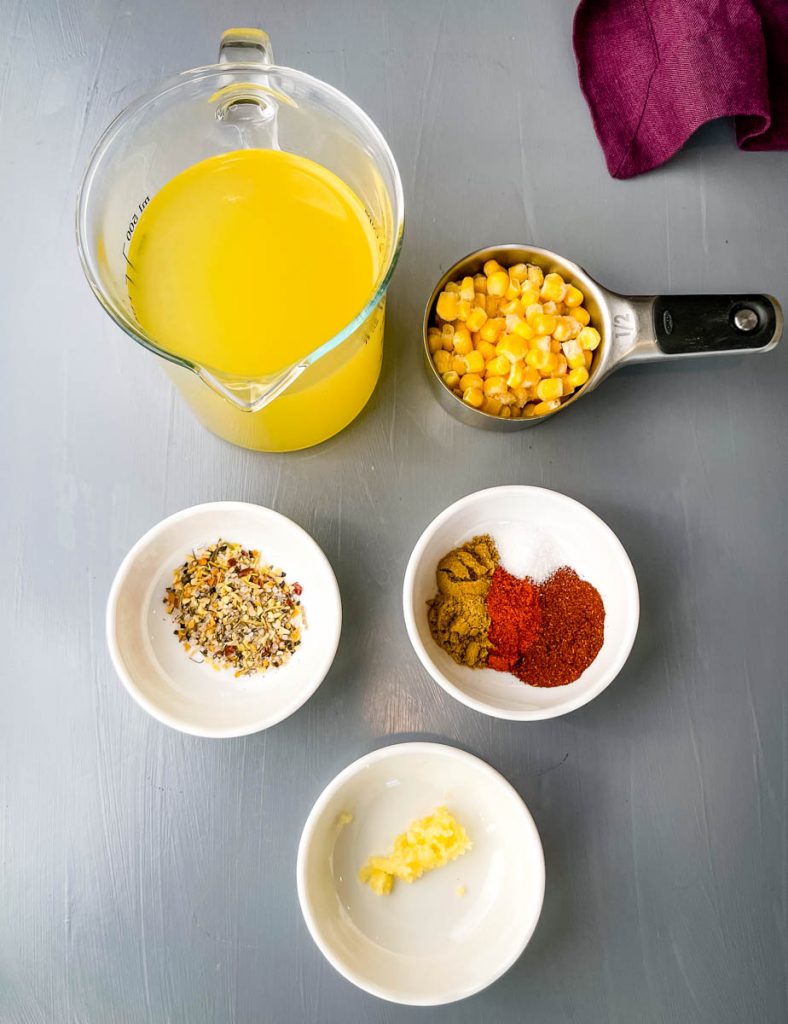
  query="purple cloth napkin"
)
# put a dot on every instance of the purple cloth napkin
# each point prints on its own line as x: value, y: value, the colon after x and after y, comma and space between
x: 653, y: 71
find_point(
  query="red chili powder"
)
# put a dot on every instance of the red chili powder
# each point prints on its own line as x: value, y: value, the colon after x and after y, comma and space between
x: 513, y: 607
x: 573, y: 629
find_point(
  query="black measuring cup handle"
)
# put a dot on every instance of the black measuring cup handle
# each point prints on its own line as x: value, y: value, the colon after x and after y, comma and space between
x: 687, y: 325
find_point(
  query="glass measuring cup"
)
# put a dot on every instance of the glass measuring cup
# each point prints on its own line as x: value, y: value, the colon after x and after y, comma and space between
x: 246, y: 101
x: 633, y: 329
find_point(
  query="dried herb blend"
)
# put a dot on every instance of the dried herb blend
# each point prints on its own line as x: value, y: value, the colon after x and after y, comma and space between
x: 233, y: 611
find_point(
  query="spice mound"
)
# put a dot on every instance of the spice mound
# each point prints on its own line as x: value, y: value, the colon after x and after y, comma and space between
x: 234, y: 612
x: 458, y: 615
x: 546, y: 634
x: 429, y: 843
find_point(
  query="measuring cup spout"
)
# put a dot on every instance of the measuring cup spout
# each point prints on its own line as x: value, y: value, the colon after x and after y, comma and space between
x: 251, y: 395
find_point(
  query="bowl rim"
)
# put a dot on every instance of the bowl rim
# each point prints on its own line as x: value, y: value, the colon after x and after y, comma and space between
x: 121, y: 577
x: 525, y: 714
x: 307, y: 837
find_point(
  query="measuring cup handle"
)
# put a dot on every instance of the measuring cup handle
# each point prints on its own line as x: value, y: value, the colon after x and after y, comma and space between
x: 245, y: 45
x: 678, y: 326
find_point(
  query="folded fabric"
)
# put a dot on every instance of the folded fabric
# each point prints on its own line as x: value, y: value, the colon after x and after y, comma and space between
x: 654, y: 71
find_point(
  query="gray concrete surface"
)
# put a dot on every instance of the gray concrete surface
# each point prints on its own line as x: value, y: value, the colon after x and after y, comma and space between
x: 149, y: 877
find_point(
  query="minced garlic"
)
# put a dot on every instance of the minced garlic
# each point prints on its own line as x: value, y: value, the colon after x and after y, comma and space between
x: 429, y: 843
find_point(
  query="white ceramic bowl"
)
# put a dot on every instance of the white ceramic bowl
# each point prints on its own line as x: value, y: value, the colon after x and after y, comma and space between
x: 154, y: 667
x: 524, y: 521
x: 423, y: 944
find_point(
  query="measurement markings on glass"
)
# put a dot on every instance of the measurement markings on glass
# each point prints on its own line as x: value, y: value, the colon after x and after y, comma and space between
x: 135, y: 219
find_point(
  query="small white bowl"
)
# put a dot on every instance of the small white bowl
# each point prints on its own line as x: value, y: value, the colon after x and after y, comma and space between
x: 424, y: 944
x: 514, y: 516
x: 153, y: 665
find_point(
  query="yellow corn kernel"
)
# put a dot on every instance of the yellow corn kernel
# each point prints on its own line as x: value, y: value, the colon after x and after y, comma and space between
x: 581, y: 314
x: 529, y: 296
x: 563, y: 366
x: 513, y: 308
x: 551, y: 365
x: 562, y: 330
x: 512, y: 290
x: 442, y: 361
x: 473, y: 396
x: 533, y: 358
x: 544, y: 323
x: 462, y: 341
x: 447, y: 331
x: 531, y: 376
x: 477, y: 318
x: 553, y: 288
x: 463, y: 309
x: 451, y: 378
x: 470, y: 380
x: 573, y: 353
x: 524, y: 330
x: 516, y: 378
x: 578, y: 377
x: 434, y: 339
x: 506, y: 412
x: 589, y: 358
x: 519, y: 271
x: 492, y: 267
x: 467, y: 289
x: 497, y: 283
x: 492, y: 406
x: 487, y: 349
x: 532, y: 311
x: 497, y: 367
x: 541, y: 342
x: 495, y: 387
x: 446, y: 307
x: 479, y: 301
x: 507, y: 398
x: 474, y: 362
x: 512, y: 347
x: 543, y: 408
x: 550, y: 307
x: 568, y: 385
x: 480, y: 283
x: 453, y: 287
x: 535, y: 276
x: 458, y: 364
x: 492, y: 329
x: 573, y: 297
x: 547, y: 390
x: 493, y: 305
x: 521, y: 394
x: 589, y: 338
x: 512, y: 320
x: 555, y: 346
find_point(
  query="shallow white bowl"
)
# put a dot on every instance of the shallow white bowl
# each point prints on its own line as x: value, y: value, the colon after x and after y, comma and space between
x: 423, y: 944
x: 154, y: 667
x: 578, y: 538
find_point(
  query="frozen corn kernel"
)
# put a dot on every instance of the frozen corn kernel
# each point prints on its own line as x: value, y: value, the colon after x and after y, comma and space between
x: 545, y: 407
x: 463, y: 344
x: 524, y: 330
x: 535, y: 276
x: 512, y: 290
x: 544, y: 323
x: 550, y: 307
x: 474, y: 362
x: 553, y: 287
x: 529, y: 295
x: 467, y: 290
x: 470, y: 380
x: 573, y: 296
x: 589, y: 338
x: 578, y: 377
x: 589, y: 358
x: 453, y: 286
x: 512, y: 347
x: 442, y: 361
x: 434, y: 339
x: 473, y: 397
x: 492, y: 405
x: 480, y: 283
x: 513, y: 308
x: 493, y: 329
x: 581, y: 314
x: 495, y: 387
x: 463, y: 309
x: 493, y: 305
x: 562, y: 330
x: 487, y: 349
x: 458, y: 364
x: 519, y: 271
x: 497, y: 283
x: 451, y: 378
x: 477, y: 318
x: 548, y: 389
x: 497, y: 367
x: 569, y: 387
x: 573, y: 354
x: 555, y: 346
x: 492, y: 267
x: 532, y: 311
x: 447, y: 305
x: 563, y: 366
x: 479, y: 301
x: 541, y: 342
x: 506, y: 412
x: 522, y: 394
x: 516, y: 378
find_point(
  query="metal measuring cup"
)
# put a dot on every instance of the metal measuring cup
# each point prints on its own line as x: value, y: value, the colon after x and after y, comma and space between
x: 633, y: 329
